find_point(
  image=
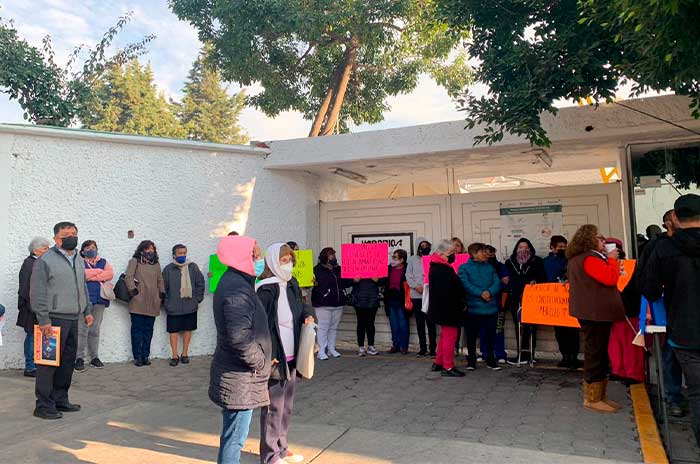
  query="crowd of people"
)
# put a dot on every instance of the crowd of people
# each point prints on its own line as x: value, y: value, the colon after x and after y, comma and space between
x: 259, y: 310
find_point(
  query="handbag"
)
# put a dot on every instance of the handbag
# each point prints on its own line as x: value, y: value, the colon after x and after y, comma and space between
x: 408, y: 303
x: 121, y: 291
x: 107, y: 291
x: 305, y: 355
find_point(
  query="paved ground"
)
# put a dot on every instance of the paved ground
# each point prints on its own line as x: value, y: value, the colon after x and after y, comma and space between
x: 369, y: 410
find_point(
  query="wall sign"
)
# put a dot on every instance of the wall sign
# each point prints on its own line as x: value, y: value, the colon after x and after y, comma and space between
x: 534, y: 220
x: 395, y: 241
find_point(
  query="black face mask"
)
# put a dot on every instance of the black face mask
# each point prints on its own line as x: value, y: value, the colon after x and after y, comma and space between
x: 69, y: 243
x: 451, y: 258
x: 561, y: 254
x: 425, y: 251
x: 333, y: 262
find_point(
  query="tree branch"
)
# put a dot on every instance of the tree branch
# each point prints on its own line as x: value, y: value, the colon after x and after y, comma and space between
x: 389, y: 25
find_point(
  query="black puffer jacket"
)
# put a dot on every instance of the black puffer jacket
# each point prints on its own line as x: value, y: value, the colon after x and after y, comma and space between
x: 365, y: 294
x: 523, y: 274
x: 446, y: 296
x: 269, y: 295
x: 672, y: 271
x: 329, y: 287
x: 240, y: 368
x: 25, y: 317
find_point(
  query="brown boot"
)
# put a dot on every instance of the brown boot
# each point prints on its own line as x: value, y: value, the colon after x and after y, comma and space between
x: 593, y: 398
x: 610, y: 402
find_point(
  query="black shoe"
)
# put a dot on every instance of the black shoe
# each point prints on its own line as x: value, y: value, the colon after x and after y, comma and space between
x: 174, y: 362
x: 68, y: 407
x: 394, y: 350
x: 404, y: 351
x: 138, y: 363
x: 436, y: 368
x: 48, y: 415
x: 575, y: 364
x: 30, y: 373
x: 565, y: 361
x: 675, y: 410
x: 79, y: 365
x: 432, y: 354
x: 97, y: 364
x: 452, y: 373
x: 421, y: 353
x: 471, y: 365
x: 185, y: 359
x: 493, y: 365
x: 146, y: 362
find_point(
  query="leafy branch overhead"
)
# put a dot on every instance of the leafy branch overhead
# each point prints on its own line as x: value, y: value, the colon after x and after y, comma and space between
x: 533, y: 53
x: 334, y: 62
x: 54, y: 95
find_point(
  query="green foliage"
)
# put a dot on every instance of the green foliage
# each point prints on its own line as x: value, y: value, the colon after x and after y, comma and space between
x: 207, y: 112
x: 126, y: 100
x: 681, y: 164
x: 47, y: 93
x: 316, y: 56
x: 535, y: 52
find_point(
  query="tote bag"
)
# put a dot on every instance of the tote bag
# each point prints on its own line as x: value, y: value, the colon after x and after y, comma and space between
x: 305, y: 355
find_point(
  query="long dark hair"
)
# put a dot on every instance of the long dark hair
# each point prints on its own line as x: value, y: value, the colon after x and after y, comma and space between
x: 323, y: 256
x: 514, y: 256
x: 138, y: 254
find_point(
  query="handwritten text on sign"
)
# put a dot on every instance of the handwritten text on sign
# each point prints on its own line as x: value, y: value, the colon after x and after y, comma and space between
x: 304, y: 268
x: 547, y: 304
x: 628, y: 266
x: 364, y: 260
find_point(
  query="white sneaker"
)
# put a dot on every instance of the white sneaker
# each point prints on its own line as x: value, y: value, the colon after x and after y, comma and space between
x: 334, y: 353
x: 294, y: 458
x: 372, y: 351
x: 479, y: 359
x: 362, y: 352
x: 322, y: 356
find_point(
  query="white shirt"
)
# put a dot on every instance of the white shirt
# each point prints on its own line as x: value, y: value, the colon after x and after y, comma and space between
x: 285, y: 321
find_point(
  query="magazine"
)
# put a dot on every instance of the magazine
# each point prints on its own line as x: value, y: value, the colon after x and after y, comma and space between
x: 47, y: 349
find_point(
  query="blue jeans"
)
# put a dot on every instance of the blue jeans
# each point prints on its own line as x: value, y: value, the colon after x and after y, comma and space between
x: 673, y: 375
x: 233, y: 435
x: 500, y: 339
x: 399, y: 325
x: 29, y: 352
x: 141, y: 336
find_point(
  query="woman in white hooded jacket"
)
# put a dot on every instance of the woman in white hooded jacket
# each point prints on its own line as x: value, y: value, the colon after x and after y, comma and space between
x: 281, y: 296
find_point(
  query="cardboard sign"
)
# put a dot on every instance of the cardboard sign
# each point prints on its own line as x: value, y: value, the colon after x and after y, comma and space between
x: 47, y: 350
x: 304, y: 268
x: 459, y: 260
x: 628, y: 266
x: 364, y: 260
x: 217, y: 269
x: 547, y: 304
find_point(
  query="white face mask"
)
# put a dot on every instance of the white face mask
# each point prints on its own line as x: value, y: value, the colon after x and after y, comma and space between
x: 286, y: 271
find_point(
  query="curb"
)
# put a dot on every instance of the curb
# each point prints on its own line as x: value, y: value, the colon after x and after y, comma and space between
x: 649, y: 438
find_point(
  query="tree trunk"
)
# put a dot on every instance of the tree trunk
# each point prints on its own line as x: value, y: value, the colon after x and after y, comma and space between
x: 339, y: 94
x: 323, y: 110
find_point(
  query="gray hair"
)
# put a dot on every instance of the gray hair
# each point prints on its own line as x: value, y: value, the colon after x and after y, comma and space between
x: 38, y: 242
x: 444, y: 246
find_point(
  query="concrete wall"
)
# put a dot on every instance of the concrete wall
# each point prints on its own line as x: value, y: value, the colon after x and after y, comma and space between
x: 166, y: 191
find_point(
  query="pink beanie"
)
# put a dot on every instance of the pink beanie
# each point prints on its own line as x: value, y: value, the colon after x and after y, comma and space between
x: 236, y: 251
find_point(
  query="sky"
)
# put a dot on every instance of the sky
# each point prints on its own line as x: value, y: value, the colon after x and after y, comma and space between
x: 74, y: 22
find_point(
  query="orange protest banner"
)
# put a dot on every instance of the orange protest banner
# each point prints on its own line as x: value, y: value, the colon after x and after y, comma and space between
x: 547, y: 304
x: 628, y: 266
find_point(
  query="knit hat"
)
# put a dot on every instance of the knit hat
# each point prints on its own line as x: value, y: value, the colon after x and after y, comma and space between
x: 687, y: 206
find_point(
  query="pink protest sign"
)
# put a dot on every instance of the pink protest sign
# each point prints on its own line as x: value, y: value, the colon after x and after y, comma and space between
x: 459, y: 260
x: 364, y: 260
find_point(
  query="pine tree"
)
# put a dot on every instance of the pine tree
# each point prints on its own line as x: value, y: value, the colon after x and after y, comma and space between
x: 207, y: 112
x: 128, y: 101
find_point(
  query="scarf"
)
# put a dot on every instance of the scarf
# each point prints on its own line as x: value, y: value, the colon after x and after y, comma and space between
x: 272, y: 259
x: 185, y: 282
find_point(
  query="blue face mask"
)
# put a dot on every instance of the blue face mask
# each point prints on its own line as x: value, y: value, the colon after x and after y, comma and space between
x: 181, y: 259
x: 91, y: 254
x: 259, y: 266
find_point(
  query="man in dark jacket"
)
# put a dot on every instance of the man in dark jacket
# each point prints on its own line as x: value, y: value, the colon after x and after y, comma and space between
x: 240, y: 368
x: 25, y: 318
x: 672, y: 271
x: 59, y: 296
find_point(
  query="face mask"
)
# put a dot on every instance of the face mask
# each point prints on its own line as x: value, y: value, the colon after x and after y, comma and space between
x: 493, y: 260
x: 69, y: 243
x: 286, y: 270
x: 181, y: 259
x: 333, y: 262
x: 259, y: 266
x: 561, y: 253
x: 523, y: 256
x: 424, y: 251
x: 91, y: 254
x: 149, y: 255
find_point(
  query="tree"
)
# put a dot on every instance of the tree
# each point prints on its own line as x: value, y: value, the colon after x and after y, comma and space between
x: 127, y: 100
x: 48, y: 93
x: 207, y: 112
x: 571, y: 49
x: 334, y: 62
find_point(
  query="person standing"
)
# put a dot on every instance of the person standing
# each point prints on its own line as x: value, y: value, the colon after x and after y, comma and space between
x: 97, y: 273
x: 144, y: 281
x: 59, y: 297
x: 241, y: 365
x: 595, y: 301
x: 500, y: 339
x: 524, y: 267
x: 25, y: 317
x: 395, y: 302
x: 555, y: 268
x: 481, y: 285
x: 416, y: 278
x: 445, y: 307
x: 365, y: 300
x: 328, y: 299
x: 184, y: 291
x: 672, y: 273
x: 280, y: 295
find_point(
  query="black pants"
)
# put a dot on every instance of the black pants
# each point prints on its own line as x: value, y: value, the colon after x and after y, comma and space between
x: 422, y: 321
x: 275, y: 419
x: 141, y: 335
x: 568, y: 340
x: 476, y: 322
x: 365, y: 325
x: 53, y: 383
x: 528, y: 329
x: 690, y: 363
x: 596, y: 364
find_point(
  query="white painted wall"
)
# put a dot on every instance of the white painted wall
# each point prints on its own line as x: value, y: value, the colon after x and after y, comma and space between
x: 169, y: 192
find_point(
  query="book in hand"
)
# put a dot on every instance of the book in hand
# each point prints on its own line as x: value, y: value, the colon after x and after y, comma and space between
x: 47, y: 349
